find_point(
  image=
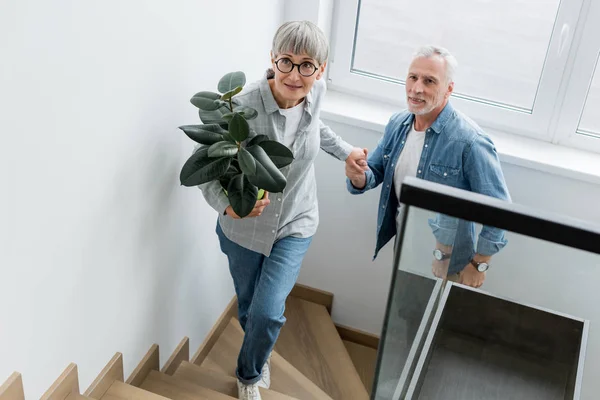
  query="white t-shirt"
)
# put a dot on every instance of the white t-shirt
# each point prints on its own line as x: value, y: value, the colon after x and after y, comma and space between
x: 408, y: 162
x: 292, y: 121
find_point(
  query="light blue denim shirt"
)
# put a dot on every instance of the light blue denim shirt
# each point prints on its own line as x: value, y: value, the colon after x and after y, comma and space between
x: 456, y: 153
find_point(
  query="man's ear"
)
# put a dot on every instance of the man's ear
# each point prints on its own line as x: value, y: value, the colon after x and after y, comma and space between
x: 272, y: 57
x: 321, y: 70
x: 450, y: 89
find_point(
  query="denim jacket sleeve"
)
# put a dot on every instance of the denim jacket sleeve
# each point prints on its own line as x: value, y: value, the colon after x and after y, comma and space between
x: 376, y: 171
x: 484, y: 173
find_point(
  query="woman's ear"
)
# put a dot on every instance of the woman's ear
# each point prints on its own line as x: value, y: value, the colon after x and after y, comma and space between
x: 321, y: 70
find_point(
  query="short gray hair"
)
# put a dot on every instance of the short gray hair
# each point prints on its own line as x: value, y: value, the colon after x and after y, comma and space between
x: 430, y: 51
x: 298, y: 37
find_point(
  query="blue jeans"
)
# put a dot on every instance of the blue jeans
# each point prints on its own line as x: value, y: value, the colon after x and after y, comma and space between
x: 262, y: 285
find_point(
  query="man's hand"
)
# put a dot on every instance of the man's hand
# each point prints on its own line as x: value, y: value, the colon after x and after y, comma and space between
x: 256, y: 211
x: 440, y: 268
x: 356, y: 165
x: 471, y: 277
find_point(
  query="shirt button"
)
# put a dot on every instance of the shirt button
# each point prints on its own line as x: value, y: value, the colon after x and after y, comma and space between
x: 383, y: 206
x: 392, y: 164
x: 277, y: 215
x: 445, y: 174
x: 425, y: 145
x: 403, y: 142
x: 273, y: 231
x: 279, y: 199
x: 388, y: 186
x: 419, y: 171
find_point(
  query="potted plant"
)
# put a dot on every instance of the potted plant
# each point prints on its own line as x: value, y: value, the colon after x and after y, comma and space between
x: 245, y: 163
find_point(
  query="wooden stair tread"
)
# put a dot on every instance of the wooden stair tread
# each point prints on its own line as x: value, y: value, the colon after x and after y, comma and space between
x: 76, y: 396
x: 12, y: 389
x: 310, y: 342
x: 179, y: 389
x: 284, y: 377
x: 364, y: 359
x: 219, y: 382
x: 123, y: 391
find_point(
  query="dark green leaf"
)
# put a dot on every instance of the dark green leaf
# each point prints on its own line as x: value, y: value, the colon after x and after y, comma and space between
x: 257, y: 139
x: 230, y: 173
x: 206, y: 101
x: 267, y: 176
x: 222, y: 149
x: 228, y: 137
x: 247, y: 112
x: 239, y: 128
x: 231, y: 81
x: 228, y: 117
x: 231, y: 93
x: 200, y: 168
x: 247, y: 162
x: 204, y: 134
x: 277, y: 152
x: 213, y: 117
x: 242, y: 195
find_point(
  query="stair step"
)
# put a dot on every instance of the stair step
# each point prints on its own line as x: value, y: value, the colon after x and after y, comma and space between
x: 284, y: 377
x: 219, y: 382
x: 364, y: 359
x: 123, y: 391
x: 180, y: 389
x: 75, y: 396
x: 311, y: 343
x: 12, y: 389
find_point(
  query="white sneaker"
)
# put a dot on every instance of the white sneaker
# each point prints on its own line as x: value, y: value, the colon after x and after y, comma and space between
x: 265, y: 376
x: 248, y: 392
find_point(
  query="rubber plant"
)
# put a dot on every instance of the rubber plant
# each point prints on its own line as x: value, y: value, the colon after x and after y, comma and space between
x: 244, y: 162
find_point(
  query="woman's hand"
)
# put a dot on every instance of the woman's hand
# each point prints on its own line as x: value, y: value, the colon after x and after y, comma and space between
x: 256, y: 211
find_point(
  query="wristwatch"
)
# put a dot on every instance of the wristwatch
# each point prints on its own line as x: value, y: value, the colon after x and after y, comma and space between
x: 440, y: 255
x: 480, y: 266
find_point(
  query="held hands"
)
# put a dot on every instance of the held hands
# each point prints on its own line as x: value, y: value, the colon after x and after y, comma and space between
x: 258, y: 208
x: 356, y: 165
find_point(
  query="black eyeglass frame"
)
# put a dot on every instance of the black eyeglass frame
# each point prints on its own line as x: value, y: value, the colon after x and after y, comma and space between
x: 297, y: 66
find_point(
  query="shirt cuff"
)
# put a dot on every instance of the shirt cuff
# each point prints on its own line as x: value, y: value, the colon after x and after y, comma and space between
x: 487, y: 247
x: 444, y: 233
x: 353, y: 190
x: 343, y: 151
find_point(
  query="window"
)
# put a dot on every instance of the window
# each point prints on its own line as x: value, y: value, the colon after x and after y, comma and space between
x: 590, y: 119
x: 492, y: 68
x: 518, y: 71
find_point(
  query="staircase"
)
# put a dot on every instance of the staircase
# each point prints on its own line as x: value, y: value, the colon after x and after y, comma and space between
x: 313, y: 360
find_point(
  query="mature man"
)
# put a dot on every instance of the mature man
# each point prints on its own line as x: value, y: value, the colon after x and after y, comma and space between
x: 433, y: 141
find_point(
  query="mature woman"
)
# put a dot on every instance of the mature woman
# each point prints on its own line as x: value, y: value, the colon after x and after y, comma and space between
x: 266, y: 248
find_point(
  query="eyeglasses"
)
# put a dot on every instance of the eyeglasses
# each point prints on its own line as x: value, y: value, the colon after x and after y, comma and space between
x: 305, y: 69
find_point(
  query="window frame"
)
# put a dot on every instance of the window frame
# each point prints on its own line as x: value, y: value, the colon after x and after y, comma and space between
x: 546, y: 121
x: 578, y: 80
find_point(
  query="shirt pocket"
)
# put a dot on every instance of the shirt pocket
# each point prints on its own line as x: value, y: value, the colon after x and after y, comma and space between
x: 444, y: 174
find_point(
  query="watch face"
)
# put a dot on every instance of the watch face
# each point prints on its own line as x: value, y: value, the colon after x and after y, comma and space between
x: 483, y: 267
x: 437, y: 254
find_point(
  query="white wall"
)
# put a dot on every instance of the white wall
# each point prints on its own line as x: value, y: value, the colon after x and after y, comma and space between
x: 101, y: 250
x: 340, y: 257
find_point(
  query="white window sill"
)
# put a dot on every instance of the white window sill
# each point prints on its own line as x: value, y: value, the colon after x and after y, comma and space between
x: 512, y: 149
